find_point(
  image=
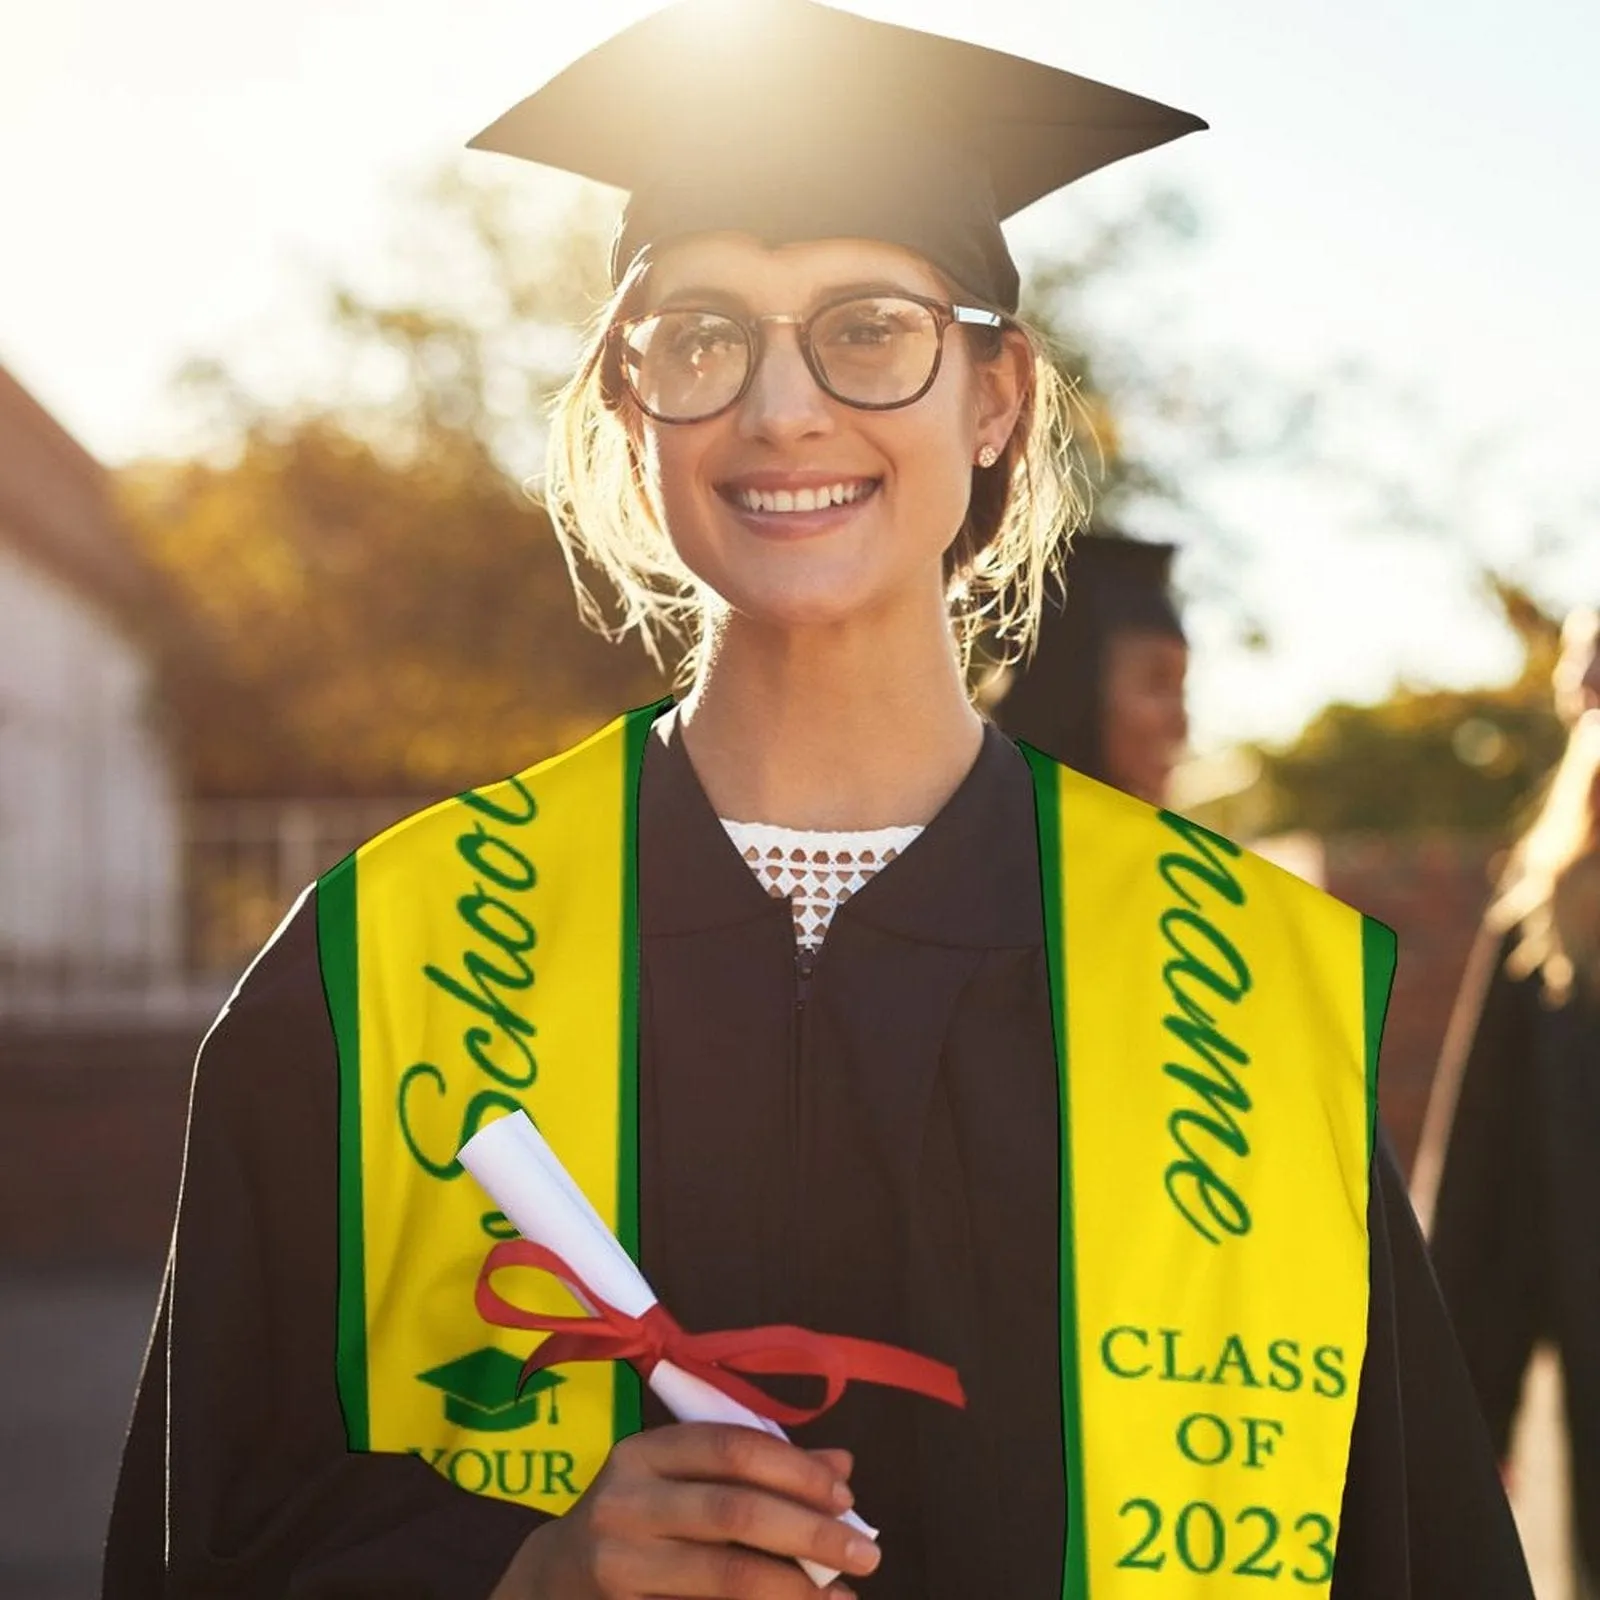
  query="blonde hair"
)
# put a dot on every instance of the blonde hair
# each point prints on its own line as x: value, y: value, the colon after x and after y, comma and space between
x: 1022, y: 515
x: 1551, y: 892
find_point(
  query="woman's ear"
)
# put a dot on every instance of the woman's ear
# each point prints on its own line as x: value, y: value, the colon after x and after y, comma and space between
x: 1001, y: 386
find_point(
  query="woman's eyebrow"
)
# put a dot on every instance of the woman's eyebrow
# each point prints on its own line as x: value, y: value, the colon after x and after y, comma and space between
x: 706, y: 297
x: 702, y: 296
x: 864, y: 289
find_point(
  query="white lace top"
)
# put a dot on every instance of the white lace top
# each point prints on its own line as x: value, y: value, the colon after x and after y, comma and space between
x: 816, y: 871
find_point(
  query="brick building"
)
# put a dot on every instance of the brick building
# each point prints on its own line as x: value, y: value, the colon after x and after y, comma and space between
x: 1431, y: 889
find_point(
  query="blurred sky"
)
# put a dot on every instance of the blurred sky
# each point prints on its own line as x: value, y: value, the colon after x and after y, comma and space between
x: 1406, y: 185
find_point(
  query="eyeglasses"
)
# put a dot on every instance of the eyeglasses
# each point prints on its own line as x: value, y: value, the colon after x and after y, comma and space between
x: 874, y: 352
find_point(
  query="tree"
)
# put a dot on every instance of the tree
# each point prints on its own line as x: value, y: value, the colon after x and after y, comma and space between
x: 374, y: 602
x: 1467, y: 759
x: 1163, y: 418
x: 361, y: 625
x: 1113, y: 377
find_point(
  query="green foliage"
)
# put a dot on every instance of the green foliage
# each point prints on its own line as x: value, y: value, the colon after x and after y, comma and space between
x: 368, y: 599
x: 358, y: 625
x: 1468, y: 759
x: 1423, y: 759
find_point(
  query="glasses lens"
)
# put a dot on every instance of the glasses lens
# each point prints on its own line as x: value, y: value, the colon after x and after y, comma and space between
x: 683, y: 365
x: 876, y: 352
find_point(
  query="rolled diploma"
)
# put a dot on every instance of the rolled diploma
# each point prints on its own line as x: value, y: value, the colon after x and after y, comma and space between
x: 519, y: 1171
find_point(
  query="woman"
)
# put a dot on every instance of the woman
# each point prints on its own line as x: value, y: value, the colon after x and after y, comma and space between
x: 790, y: 979
x: 1104, y: 690
x: 1511, y: 1147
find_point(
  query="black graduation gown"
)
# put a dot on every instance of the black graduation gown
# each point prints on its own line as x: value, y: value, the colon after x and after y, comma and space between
x: 871, y: 1150
x: 1516, y: 1223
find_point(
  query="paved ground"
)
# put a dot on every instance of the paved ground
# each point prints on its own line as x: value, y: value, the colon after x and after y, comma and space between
x: 70, y: 1347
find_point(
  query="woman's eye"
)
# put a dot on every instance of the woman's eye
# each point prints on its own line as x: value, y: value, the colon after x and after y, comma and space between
x: 864, y: 331
x: 696, y: 343
x: 701, y: 346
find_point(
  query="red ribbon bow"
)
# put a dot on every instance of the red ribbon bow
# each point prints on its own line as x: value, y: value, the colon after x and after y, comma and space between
x: 718, y: 1358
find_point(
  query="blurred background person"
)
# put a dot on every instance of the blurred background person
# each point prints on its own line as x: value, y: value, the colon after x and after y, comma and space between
x: 1104, y: 691
x: 1509, y: 1165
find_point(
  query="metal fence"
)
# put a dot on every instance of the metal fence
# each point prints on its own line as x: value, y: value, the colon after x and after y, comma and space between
x: 243, y: 864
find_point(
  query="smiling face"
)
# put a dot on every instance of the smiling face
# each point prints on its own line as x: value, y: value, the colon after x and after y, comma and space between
x: 797, y: 509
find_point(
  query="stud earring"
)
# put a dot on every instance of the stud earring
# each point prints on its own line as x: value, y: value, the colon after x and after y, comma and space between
x: 988, y: 455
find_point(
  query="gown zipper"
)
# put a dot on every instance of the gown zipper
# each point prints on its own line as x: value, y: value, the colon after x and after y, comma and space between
x: 805, y: 961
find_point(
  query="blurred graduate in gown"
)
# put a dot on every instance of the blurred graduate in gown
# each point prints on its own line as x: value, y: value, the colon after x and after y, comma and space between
x: 1509, y: 1164
x: 1104, y: 691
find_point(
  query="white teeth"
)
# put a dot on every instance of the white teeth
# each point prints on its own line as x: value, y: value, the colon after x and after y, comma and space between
x: 780, y: 500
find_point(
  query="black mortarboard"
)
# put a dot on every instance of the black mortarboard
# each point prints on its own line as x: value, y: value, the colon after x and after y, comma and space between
x: 791, y: 120
x: 481, y: 1391
x: 1113, y: 585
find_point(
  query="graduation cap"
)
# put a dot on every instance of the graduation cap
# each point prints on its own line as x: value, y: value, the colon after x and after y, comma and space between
x: 480, y: 1391
x: 1055, y: 701
x: 791, y: 120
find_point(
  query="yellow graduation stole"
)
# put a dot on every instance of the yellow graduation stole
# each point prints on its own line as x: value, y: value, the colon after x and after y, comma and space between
x: 1217, y: 1025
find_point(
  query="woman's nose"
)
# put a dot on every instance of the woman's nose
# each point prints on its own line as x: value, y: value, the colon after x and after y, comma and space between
x: 783, y: 401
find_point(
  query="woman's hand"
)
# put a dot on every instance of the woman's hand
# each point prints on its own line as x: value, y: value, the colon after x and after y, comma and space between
x: 697, y: 1510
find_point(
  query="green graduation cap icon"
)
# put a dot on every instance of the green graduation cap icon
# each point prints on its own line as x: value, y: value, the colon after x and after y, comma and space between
x: 480, y: 1391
